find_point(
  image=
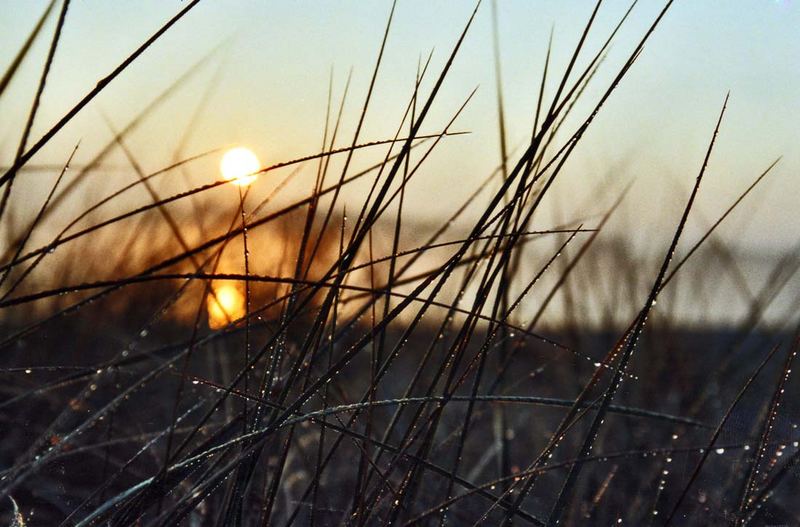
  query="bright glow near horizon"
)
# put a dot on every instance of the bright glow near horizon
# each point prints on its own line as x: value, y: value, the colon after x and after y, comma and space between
x: 225, y: 305
x: 239, y: 165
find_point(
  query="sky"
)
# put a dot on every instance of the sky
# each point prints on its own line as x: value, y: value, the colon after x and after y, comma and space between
x: 266, y: 86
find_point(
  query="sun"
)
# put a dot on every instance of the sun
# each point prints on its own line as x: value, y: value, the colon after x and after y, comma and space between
x: 226, y: 305
x: 239, y: 166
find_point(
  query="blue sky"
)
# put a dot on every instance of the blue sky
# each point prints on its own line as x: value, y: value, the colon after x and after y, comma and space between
x: 274, y: 80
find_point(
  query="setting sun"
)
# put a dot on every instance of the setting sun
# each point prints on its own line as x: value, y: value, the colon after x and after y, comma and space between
x: 399, y: 263
x: 239, y: 165
x: 225, y: 305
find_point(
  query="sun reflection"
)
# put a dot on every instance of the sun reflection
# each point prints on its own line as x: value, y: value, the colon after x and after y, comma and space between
x: 225, y: 305
x: 239, y: 165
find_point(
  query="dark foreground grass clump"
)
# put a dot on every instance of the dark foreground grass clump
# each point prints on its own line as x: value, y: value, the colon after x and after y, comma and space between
x: 325, y: 360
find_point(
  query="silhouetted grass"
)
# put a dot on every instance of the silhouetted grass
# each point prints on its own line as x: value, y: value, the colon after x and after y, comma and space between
x: 377, y: 370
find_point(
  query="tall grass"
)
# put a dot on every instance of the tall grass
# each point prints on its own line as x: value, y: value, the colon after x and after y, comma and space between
x: 325, y: 360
